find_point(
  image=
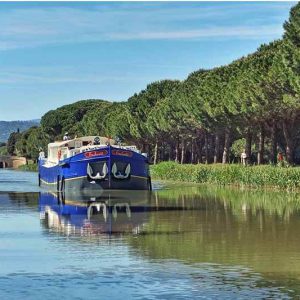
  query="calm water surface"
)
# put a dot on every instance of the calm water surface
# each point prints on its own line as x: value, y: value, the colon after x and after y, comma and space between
x: 179, y: 242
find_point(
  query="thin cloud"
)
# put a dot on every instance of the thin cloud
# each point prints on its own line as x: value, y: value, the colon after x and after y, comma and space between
x: 35, y: 27
x: 39, y: 77
x: 224, y: 32
x: 219, y: 32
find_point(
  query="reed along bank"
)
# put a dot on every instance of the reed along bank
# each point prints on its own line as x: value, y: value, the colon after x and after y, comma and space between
x: 230, y: 174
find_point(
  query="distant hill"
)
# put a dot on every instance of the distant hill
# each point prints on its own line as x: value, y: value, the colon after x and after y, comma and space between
x: 7, y: 127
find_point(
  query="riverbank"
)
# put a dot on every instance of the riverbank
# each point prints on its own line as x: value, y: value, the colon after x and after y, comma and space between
x: 30, y: 167
x: 231, y: 174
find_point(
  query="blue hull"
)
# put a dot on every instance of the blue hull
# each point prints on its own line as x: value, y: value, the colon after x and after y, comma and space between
x: 80, y: 171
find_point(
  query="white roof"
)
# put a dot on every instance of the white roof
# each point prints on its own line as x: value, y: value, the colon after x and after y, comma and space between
x: 58, y: 144
x: 103, y: 141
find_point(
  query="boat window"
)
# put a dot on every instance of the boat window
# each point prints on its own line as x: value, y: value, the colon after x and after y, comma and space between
x: 64, y: 153
x: 78, y: 144
x: 53, y: 154
x: 74, y: 152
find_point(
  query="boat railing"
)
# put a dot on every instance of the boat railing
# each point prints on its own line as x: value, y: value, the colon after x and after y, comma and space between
x: 73, y: 152
x: 132, y: 148
x: 91, y: 147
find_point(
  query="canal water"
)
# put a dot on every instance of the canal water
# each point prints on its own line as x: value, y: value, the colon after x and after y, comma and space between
x: 178, y: 242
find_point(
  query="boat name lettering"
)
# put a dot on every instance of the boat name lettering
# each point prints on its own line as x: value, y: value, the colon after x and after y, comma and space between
x: 122, y: 153
x: 95, y: 153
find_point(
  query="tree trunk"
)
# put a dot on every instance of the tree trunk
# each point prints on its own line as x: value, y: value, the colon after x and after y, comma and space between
x: 149, y: 151
x: 177, y: 152
x: 217, y: 148
x: 289, y: 143
x: 182, y: 151
x: 206, y: 147
x: 162, y: 152
x: 143, y: 147
x: 261, y: 145
x: 273, y: 143
x: 225, y: 157
x: 248, y: 146
x: 199, y: 151
x: 155, y: 153
x: 192, y: 152
x: 170, y: 152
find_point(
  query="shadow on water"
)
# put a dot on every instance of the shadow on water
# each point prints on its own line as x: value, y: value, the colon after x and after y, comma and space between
x: 195, y: 225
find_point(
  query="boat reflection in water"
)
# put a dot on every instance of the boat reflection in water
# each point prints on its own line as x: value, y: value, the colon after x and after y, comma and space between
x: 109, y: 212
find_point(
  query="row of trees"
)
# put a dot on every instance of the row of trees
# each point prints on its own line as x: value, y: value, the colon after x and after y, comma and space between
x: 251, y: 104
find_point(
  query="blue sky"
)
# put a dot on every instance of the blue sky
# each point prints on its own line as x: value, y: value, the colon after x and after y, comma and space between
x: 57, y: 53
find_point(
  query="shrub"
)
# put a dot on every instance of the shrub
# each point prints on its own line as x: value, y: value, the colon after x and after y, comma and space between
x: 30, y: 167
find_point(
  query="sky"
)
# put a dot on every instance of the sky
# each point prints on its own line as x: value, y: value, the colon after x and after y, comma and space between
x: 55, y: 53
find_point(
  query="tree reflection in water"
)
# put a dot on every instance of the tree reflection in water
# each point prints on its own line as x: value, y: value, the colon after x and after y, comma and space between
x: 256, y: 230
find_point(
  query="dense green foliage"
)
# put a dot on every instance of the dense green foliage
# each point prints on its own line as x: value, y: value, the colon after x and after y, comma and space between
x: 31, y: 141
x: 68, y: 117
x: 229, y: 174
x: 3, y: 150
x: 11, y: 143
x: 251, y: 104
x: 30, y: 167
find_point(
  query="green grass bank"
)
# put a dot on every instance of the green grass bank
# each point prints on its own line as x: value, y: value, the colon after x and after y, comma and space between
x: 29, y: 167
x: 231, y: 174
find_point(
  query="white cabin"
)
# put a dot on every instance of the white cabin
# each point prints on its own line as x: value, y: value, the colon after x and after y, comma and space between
x: 63, y: 149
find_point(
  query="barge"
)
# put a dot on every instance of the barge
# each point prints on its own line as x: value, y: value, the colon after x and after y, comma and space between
x: 93, y: 163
